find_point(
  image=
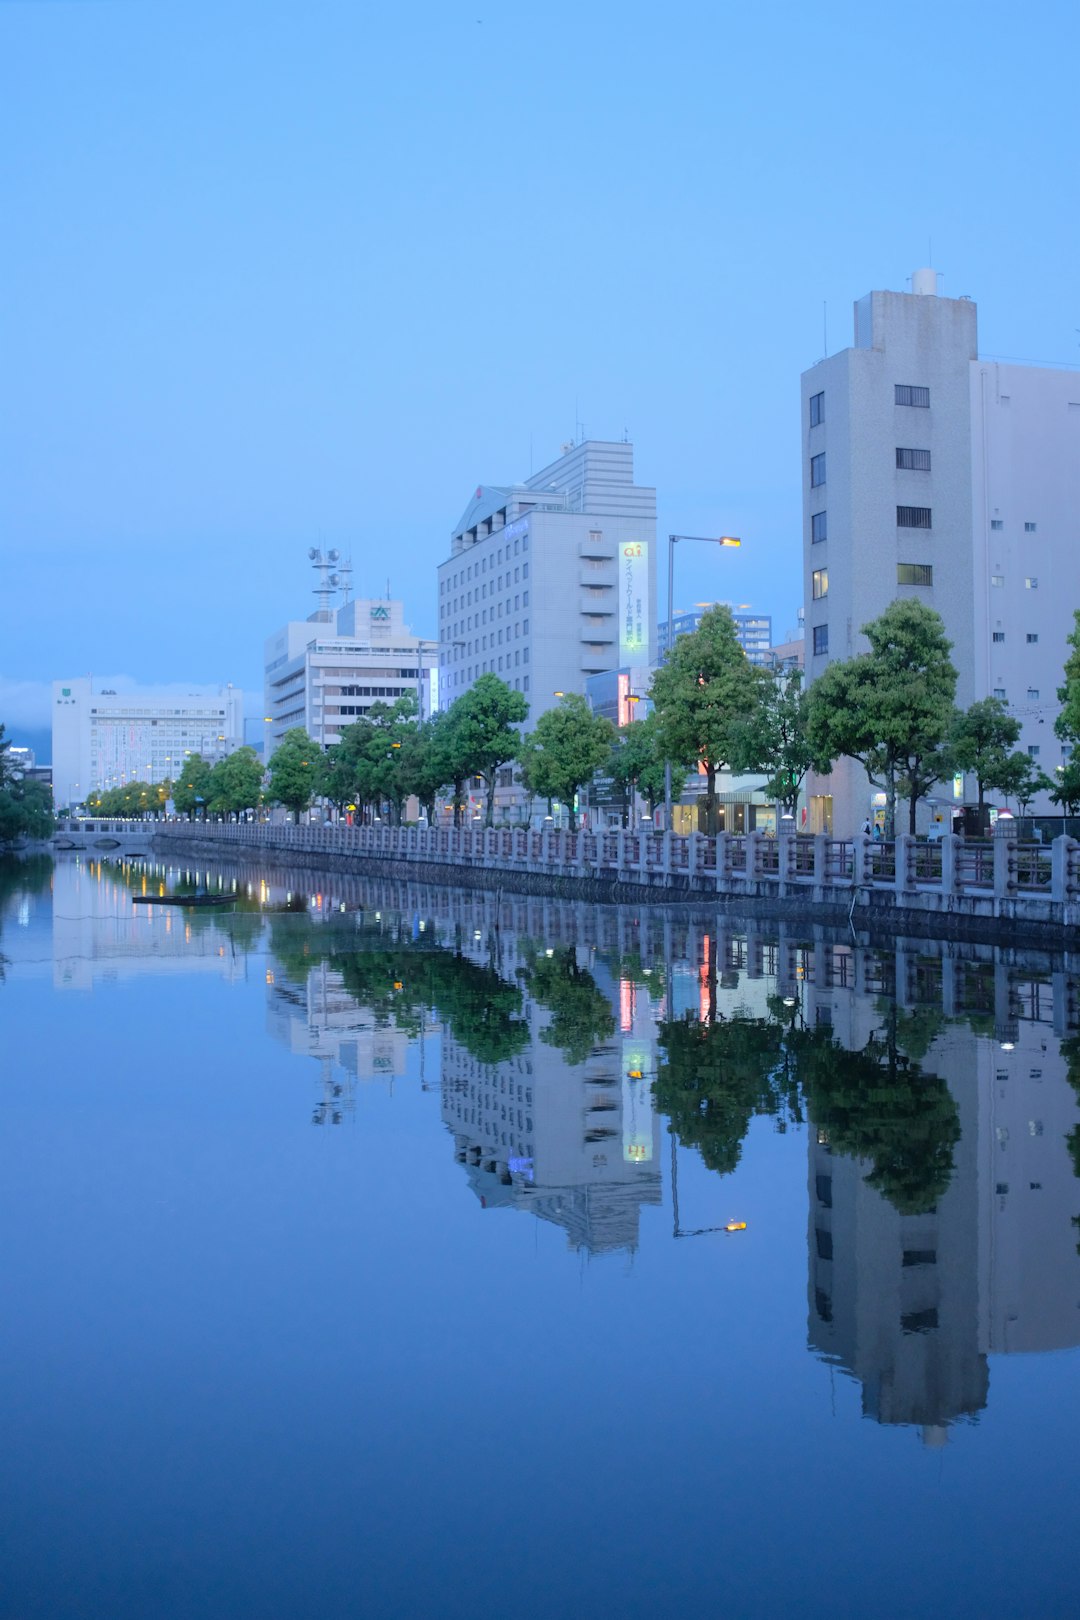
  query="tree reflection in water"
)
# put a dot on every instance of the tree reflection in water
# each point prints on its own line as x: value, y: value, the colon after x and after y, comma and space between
x: 873, y: 1103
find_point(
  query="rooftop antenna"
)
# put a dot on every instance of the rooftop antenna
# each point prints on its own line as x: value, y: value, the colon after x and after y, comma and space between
x: 825, y: 327
x: 342, y: 580
x: 323, y: 566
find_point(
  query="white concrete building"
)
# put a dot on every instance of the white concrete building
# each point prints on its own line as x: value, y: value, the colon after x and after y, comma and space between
x: 753, y: 631
x: 103, y: 739
x: 552, y: 580
x: 325, y: 671
x: 931, y: 473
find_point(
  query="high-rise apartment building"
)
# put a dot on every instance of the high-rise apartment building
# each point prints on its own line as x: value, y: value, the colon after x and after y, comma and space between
x: 323, y: 672
x: 933, y: 474
x: 103, y: 739
x: 552, y: 580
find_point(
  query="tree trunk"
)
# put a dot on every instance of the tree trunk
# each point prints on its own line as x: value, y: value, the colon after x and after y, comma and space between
x: 710, y: 798
x: 489, y: 815
x: 912, y: 806
x: 890, y: 803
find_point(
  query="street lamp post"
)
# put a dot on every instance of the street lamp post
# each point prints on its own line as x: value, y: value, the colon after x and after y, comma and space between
x: 729, y: 540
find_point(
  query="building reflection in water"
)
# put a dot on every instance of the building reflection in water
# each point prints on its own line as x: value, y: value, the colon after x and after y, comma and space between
x: 913, y: 1303
x: 938, y: 1084
x: 566, y: 1126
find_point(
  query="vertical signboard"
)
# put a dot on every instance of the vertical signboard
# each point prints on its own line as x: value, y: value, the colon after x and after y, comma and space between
x: 634, y: 602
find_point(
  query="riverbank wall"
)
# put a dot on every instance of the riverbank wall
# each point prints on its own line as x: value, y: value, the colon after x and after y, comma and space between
x: 999, y: 890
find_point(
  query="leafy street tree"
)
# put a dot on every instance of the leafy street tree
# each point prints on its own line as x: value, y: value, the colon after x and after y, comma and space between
x: 635, y: 764
x: 1065, y: 790
x: 772, y: 736
x: 191, y: 791
x: 484, y: 718
x: 890, y: 708
x: 566, y: 749
x: 236, y: 782
x: 700, y: 698
x: 980, y: 743
x: 1021, y: 779
x: 426, y: 762
x: 1067, y: 724
x: 25, y: 804
x: 294, y: 768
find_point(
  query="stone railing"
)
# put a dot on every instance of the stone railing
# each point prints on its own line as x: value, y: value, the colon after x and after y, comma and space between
x: 997, y: 877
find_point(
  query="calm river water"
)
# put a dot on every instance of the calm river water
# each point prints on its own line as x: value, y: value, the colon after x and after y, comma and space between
x: 366, y: 1253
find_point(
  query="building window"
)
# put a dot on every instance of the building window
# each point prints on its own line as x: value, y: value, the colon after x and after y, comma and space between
x: 913, y: 517
x: 908, y: 394
x: 999, y: 635
x: 1033, y: 694
x: 819, y: 527
x: 817, y: 470
x: 913, y: 460
x: 819, y: 583
x: 997, y: 579
x: 914, y: 574
x: 1033, y: 750
x: 821, y: 639
x: 817, y: 409
x: 1029, y: 528
x: 999, y: 692
x: 1032, y: 638
x: 996, y: 523
x: 1031, y: 583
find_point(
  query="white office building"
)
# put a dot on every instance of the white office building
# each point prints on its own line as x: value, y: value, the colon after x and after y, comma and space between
x: 104, y: 739
x: 933, y: 474
x: 326, y: 671
x: 552, y: 580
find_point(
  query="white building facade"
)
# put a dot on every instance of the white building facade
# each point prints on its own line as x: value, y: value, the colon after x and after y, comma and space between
x: 105, y: 739
x: 932, y: 474
x: 326, y: 671
x: 551, y: 581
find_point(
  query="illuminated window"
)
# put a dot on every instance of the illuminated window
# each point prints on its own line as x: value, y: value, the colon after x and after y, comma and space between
x: 914, y: 574
x: 819, y: 583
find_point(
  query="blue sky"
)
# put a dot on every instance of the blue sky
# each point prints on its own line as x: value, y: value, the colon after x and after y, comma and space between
x: 281, y: 274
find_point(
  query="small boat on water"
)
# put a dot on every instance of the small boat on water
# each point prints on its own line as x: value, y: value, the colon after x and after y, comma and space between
x: 183, y: 899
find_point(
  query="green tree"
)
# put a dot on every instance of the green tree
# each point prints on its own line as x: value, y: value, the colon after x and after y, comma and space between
x: 980, y: 743
x: 566, y: 749
x: 191, y: 791
x: 636, y: 765
x: 890, y: 708
x: 772, y: 736
x: 1067, y: 724
x: 1065, y: 790
x: 701, y: 696
x: 294, y: 771
x: 484, y: 738
x: 426, y: 762
x: 235, y: 782
x: 1021, y: 779
x: 25, y: 803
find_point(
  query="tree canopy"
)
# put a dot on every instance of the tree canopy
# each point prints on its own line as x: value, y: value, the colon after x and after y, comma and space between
x: 294, y: 771
x: 483, y: 734
x: 25, y: 804
x: 980, y: 743
x: 701, y: 697
x: 566, y: 749
x: 890, y: 708
x: 772, y: 736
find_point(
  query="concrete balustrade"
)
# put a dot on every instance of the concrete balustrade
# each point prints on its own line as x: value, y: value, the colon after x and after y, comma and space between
x: 998, y: 879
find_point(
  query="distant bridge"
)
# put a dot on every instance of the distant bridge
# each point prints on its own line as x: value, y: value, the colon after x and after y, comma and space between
x: 103, y: 835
